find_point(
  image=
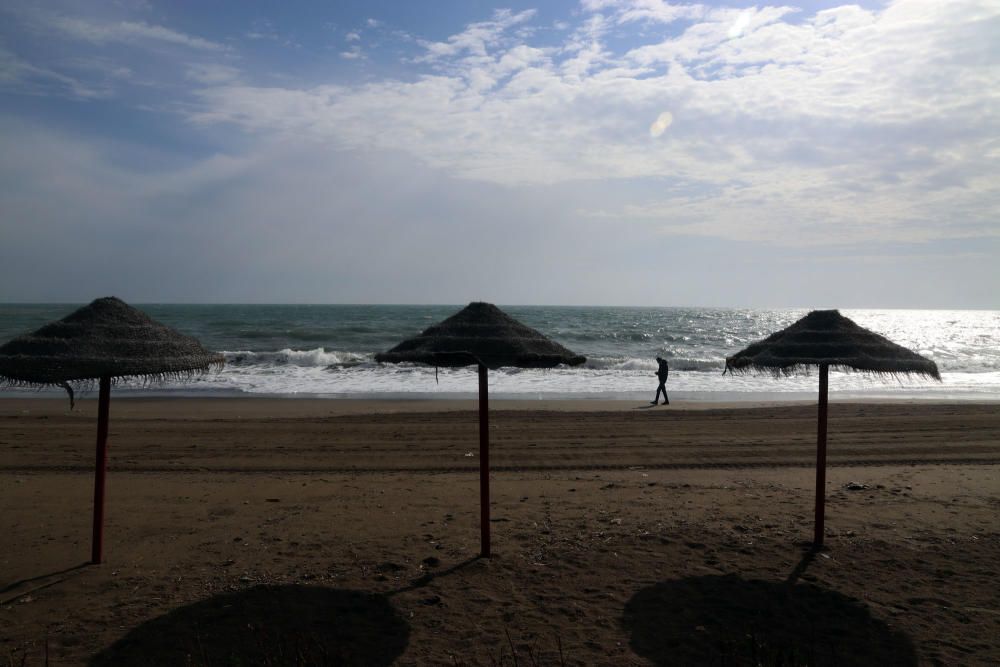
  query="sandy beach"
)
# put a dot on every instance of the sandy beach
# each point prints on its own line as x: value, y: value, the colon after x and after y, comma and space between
x: 321, y: 531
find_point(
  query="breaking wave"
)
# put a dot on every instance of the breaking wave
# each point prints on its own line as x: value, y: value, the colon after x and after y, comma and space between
x: 318, y: 357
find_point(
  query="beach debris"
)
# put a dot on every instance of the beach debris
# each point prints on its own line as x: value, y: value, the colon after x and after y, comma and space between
x: 272, y: 500
x: 469, y: 454
x: 431, y: 561
x: 855, y: 486
x: 432, y: 600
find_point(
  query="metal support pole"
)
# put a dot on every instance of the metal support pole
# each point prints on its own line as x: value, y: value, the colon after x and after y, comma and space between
x: 824, y: 370
x: 103, y: 403
x: 484, y: 461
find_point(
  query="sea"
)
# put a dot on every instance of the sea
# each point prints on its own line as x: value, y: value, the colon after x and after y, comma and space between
x: 328, y: 351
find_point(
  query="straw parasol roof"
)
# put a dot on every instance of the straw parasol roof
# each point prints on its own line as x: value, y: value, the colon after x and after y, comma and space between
x: 107, y: 338
x: 827, y: 337
x: 481, y: 334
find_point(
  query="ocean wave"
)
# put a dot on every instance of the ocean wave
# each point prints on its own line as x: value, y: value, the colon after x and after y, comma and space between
x: 646, y: 364
x: 318, y: 357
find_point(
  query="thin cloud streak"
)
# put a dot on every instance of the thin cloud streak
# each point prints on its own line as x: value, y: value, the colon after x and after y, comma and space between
x: 128, y: 32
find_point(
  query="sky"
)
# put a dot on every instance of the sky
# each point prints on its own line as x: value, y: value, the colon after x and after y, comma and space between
x: 593, y: 152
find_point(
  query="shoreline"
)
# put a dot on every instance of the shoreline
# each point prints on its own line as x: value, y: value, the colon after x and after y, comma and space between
x: 298, y: 405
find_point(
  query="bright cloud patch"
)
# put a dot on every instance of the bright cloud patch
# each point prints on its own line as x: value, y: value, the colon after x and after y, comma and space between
x: 741, y: 24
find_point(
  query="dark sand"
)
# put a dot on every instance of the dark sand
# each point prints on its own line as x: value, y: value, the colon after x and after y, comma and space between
x: 311, y: 531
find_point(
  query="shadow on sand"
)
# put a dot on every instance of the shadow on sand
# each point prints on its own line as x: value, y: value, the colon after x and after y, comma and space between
x: 726, y: 621
x: 19, y: 589
x: 269, y: 625
x: 429, y: 577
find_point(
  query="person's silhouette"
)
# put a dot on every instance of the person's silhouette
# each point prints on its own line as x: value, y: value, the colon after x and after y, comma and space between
x: 662, y: 372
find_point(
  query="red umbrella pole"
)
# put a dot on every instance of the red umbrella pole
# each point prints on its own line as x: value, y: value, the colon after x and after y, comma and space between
x: 484, y: 462
x: 824, y: 370
x: 103, y: 402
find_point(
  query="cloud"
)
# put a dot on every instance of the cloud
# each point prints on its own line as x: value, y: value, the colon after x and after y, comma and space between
x: 128, y: 32
x: 848, y: 126
x: 19, y: 76
x: 739, y: 25
x: 654, y: 11
x: 371, y: 226
x: 477, y: 38
x: 205, y: 229
x: 212, y: 73
x: 881, y: 123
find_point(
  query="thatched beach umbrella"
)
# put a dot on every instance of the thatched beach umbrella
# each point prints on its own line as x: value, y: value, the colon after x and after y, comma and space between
x: 826, y: 339
x: 482, y: 335
x: 105, y: 341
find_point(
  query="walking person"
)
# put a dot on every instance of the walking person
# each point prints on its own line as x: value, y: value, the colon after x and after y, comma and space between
x: 662, y: 372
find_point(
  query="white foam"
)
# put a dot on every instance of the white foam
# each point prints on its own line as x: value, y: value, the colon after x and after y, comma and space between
x: 625, y: 377
x: 316, y: 357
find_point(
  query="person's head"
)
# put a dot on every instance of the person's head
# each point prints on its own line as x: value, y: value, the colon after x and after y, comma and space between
x: 659, y: 360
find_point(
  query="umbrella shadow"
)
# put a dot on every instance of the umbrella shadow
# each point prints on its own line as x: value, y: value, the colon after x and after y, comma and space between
x: 31, y: 580
x: 726, y: 620
x: 428, y: 578
x: 807, y: 559
x: 269, y: 625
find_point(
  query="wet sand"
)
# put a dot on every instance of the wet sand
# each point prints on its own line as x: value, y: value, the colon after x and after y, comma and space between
x: 621, y: 534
